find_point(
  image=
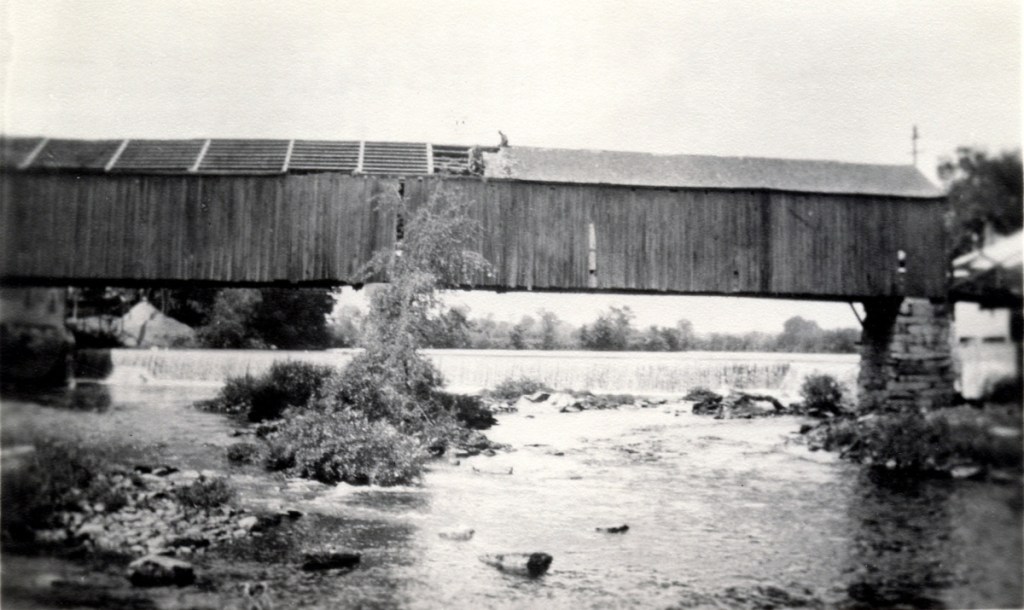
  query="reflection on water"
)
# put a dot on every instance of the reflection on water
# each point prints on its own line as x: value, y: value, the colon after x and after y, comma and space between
x: 721, y: 514
x: 900, y: 548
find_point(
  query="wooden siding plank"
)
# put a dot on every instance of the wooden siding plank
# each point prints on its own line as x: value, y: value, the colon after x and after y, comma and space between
x: 323, y: 227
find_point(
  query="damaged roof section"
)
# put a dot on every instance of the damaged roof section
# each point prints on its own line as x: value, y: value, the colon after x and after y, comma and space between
x: 226, y: 156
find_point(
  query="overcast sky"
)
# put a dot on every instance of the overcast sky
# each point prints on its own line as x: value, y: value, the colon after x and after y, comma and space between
x: 802, y: 79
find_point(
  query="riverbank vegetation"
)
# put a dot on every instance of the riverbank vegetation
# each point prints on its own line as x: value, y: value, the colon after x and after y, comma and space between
x: 378, y: 419
x: 962, y: 441
x: 66, y: 495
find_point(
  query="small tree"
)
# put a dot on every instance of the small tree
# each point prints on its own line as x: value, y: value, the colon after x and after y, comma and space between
x: 391, y: 379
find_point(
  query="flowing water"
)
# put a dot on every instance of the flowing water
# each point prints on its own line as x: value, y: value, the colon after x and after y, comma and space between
x: 722, y: 514
x: 646, y: 373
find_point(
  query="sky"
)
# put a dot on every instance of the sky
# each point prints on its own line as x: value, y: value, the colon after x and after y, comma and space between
x: 795, y: 79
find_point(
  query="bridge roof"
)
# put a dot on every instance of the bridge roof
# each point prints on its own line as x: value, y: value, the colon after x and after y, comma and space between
x: 703, y: 171
x: 227, y: 156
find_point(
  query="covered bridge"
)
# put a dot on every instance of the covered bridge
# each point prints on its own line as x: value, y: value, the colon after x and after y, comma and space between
x: 262, y: 211
x: 253, y: 212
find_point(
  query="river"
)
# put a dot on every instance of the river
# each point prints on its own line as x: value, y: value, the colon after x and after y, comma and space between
x: 721, y: 514
x: 642, y: 373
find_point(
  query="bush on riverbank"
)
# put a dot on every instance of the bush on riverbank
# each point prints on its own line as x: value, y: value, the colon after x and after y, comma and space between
x: 58, y: 475
x: 335, y: 446
x: 933, y: 443
x: 286, y: 384
x: 822, y: 395
x: 513, y: 388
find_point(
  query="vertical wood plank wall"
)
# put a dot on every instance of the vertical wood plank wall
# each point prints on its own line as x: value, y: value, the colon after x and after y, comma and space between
x: 322, y: 227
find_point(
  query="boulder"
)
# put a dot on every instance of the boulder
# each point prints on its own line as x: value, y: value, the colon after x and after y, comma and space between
x: 329, y: 558
x: 968, y: 471
x: 706, y: 403
x: 619, y: 529
x: 538, y: 396
x: 520, y: 564
x: 160, y: 571
x: 501, y: 471
x: 560, y: 400
x: 746, y: 406
x: 459, y: 534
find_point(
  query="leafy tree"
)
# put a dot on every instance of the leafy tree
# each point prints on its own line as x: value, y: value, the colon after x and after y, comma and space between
x: 611, y: 331
x: 449, y: 329
x: 799, y: 335
x: 287, y: 318
x: 685, y: 336
x: 519, y: 335
x: 230, y: 323
x: 657, y: 339
x: 391, y: 378
x: 983, y: 191
x: 293, y: 318
x: 487, y: 333
x: 549, y: 323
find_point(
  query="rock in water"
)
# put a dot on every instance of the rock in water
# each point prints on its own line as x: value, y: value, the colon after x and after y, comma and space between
x: 620, y: 529
x: 459, y: 534
x: 747, y: 406
x: 329, y: 559
x: 160, y: 571
x: 522, y: 564
x: 494, y: 472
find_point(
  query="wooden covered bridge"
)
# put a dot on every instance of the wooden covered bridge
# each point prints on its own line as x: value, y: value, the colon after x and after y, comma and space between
x: 257, y: 212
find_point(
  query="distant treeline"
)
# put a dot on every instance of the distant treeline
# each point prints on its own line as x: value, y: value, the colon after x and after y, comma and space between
x: 613, y: 330
x: 301, y: 318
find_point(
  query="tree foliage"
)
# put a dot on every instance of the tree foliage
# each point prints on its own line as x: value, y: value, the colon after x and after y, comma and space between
x: 285, y: 318
x: 611, y: 331
x: 438, y: 251
x: 983, y: 191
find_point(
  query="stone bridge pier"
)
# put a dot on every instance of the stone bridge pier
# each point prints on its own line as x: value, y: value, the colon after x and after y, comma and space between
x: 906, y: 358
x: 35, y: 347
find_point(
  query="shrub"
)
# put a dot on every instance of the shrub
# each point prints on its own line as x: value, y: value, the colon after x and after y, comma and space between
x: 287, y: 384
x: 205, y: 493
x: 372, y: 386
x: 244, y: 453
x: 514, y: 388
x: 914, y: 442
x: 58, y: 475
x: 467, y: 410
x: 335, y: 446
x: 822, y: 394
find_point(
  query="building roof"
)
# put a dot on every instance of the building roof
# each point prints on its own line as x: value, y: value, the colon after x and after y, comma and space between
x: 993, y: 273
x: 1006, y: 252
x: 222, y: 156
x: 703, y: 171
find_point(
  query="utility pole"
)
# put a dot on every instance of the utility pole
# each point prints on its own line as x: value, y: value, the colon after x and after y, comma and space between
x: 913, y: 140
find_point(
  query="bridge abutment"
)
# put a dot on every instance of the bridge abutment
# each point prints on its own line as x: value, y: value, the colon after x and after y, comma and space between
x: 35, y: 347
x: 906, y: 360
